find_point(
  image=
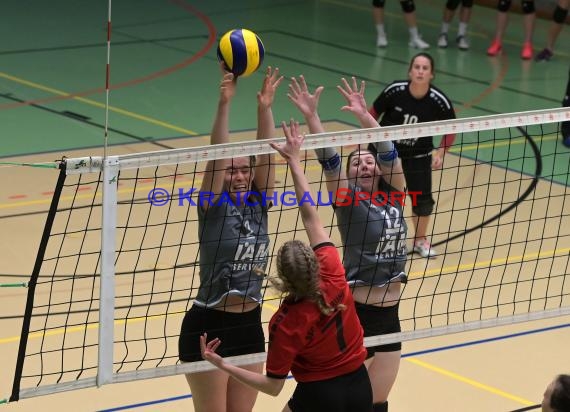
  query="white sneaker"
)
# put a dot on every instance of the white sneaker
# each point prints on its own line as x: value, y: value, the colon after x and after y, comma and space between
x: 442, y: 41
x: 424, y: 249
x: 462, y: 43
x: 381, y: 40
x: 418, y: 43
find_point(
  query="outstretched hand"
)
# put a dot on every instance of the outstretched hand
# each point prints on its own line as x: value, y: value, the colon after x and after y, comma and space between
x: 293, y: 141
x: 270, y: 84
x: 299, y: 94
x: 208, y: 350
x: 354, y: 96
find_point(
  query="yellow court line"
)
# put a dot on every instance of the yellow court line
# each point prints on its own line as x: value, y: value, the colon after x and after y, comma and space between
x: 411, y: 275
x: 61, y: 331
x: 415, y: 361
x: 470, y: 382
x: 486, y: 263
x: 500, y: 143
x: 97, y: 104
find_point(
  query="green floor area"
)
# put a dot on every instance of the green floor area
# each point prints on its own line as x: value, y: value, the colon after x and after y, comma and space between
x: 165, y: 78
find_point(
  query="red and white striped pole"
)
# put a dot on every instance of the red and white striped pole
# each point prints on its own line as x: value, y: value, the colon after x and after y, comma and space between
x: 107, y: 81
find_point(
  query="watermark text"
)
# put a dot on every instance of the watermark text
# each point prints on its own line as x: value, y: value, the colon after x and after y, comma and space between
x: 342, y: 197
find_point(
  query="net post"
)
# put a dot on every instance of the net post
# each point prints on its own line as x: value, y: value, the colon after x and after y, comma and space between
x: 107, y: 286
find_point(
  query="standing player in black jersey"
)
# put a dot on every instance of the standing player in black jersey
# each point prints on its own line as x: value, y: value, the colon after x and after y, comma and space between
x: 410, y: 101
x: 234, y: 246
x: 371, y: 223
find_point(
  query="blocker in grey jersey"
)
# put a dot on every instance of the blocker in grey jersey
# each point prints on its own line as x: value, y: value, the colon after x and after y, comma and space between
x: 234, y: 246
x: 374, y: 240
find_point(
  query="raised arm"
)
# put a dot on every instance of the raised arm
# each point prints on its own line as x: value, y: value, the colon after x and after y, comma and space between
x: 290, y: 152
x: 308, y: 104
x: 213, y: 180
x: 265, y: 169
x: 386, y: 153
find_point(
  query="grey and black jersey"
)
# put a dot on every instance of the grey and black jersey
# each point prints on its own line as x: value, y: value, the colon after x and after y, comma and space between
x: 234, y: 247
x: 374, y: 240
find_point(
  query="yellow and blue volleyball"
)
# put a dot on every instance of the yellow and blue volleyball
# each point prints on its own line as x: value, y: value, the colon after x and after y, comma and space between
x: 242, y: 51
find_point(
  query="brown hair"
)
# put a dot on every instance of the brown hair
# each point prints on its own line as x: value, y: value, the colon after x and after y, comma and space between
x: 356, y: 152
x: 427, y: 56
x: 298, y: 272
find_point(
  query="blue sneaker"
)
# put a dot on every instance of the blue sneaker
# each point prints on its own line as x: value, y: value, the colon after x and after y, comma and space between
x: 544, y: 55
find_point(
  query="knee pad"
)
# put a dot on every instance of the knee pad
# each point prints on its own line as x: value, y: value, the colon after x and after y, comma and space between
x: 452, y: 4
x: 378, y: 3
x: 385, y: 320
x: 467, y: 3
x: 408, y: 6
x: 424, y: 205
x: 528, y: 6
x: 559, y: 15
x: 390, y: 324
x: 504, y: 5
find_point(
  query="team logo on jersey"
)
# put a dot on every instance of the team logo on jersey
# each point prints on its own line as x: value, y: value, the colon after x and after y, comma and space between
x: 251, y: 256
x: 392, y: 243
x: 245, y: 229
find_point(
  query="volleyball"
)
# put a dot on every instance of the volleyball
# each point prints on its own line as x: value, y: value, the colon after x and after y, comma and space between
x: 242, y: 51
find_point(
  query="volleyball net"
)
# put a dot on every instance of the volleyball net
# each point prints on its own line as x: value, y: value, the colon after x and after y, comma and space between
x: 117, y: 268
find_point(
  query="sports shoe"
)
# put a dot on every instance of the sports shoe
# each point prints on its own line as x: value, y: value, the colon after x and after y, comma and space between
x: 381, y: 40
x: 462, y: 43
x: 544, y: 55
x: 495, y: 48
x: 418, y: 43
x: 424, y: 249
x: 442, y: 41
x: 526, y: 52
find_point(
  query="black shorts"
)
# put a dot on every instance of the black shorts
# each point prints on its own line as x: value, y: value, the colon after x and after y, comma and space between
x: 240, y: 333
x: 417, y: 171
x: 377, y: 321
x: 346, y: 393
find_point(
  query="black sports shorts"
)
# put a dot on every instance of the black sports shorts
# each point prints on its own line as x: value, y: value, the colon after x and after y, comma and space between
x: 417, y: 171
x: 240, y: 333
x: 346, y: 393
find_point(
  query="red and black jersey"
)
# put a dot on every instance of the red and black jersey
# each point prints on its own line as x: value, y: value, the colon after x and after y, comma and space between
x: 397, y: 106
x: 311, y: 345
